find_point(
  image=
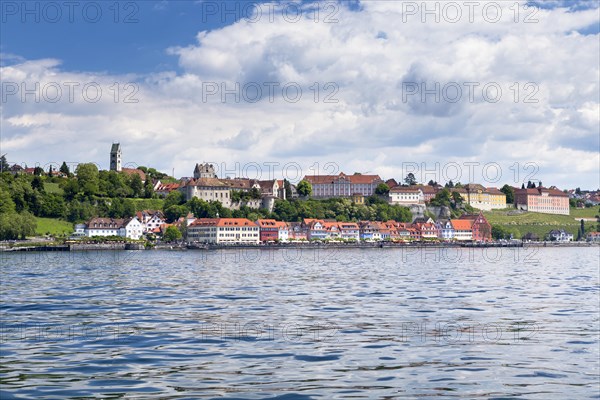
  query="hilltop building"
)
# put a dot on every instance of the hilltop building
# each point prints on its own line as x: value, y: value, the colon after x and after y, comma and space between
x: 542, y: 200
x: 204, y: 171
x: 115, y: 157
x: 342, y: 185
x: 482, y: 198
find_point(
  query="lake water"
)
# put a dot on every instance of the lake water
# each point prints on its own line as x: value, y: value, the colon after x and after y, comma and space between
x: 311, y: 324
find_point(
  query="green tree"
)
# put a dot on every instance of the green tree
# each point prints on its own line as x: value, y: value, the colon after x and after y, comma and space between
x: 51, y: 205
x: 457, y: 198
x: 174, y: 212
x: 374, y: 200
x: 128, y: 208
x: 442, y: 198
x: 7, y: 205
x: 21, y: 193
x: 148, y: 189
x: 581, y: 231
x: 284, y: 210
x: 171, y: 234
x: 116, y: 209
x: 502, y: 232
x: 304, y: 188
x: 64, y: 168
x: 4, y: 164
x: 255, y: 193
x: 288, y: 189
x: 509, y: 192
x: 175, y: 198
x: 236, y: 196
x: 115, y: 184
x: 37, y: 183
x: 38, y: 171
x: 88, y: 179
x: 410, y: 179
x: 79, y: 211
x: 16, y: 226
x: 382, y: 189
x: 498, y: 232
x: 135, y: 183
x: 70, y: 189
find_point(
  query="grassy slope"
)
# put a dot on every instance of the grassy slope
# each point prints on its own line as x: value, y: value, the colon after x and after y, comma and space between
x: 541, y: 224
x: 585, y: 212
x: 148, y: 204
x: 53, y: 226
x: 51, y: 187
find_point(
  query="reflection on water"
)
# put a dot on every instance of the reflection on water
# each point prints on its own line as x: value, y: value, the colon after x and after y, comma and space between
x: 376, y: 323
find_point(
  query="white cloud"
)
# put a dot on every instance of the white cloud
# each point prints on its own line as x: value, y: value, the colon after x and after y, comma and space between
x: 367, y: 55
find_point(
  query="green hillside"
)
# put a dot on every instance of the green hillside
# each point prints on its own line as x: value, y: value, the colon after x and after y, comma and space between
x: 51, y: 187
x: 53, y: 226
x: 148, y: 204
x: 541, y: 224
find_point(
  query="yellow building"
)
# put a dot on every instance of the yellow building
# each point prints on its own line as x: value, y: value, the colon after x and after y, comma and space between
x: 358, y: 198
x: 482, y: 198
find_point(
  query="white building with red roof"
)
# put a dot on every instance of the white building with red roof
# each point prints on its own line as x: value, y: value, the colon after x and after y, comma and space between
x: 224, y: 230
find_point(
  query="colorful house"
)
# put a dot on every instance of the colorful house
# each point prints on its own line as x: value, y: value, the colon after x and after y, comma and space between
x: 349, y: 231
x: 480, y: 227
x: 446, y: 231
x: 369, y: 231
x: 269, y: 230
x: 462, y: 229
x: 315, y: 229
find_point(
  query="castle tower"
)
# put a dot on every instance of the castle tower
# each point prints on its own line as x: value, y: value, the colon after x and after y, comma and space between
x: 204, y: 171
x: 115, y: 157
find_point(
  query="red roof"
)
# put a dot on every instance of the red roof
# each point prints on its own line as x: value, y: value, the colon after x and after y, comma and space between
x: 461, y: 224
x: 267, y: 223
x: 131, y: 171
x: 167, y: 187
x: 427, y: 189
x: 539, y: 190
x: 222, y: 222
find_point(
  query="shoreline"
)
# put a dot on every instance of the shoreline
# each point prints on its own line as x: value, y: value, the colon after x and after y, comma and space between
x: 212, y: 247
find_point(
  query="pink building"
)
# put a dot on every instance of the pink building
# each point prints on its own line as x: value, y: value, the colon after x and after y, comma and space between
x: 542, y: 200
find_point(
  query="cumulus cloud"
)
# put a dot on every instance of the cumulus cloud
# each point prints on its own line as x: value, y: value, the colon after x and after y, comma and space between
x: 358, y: 105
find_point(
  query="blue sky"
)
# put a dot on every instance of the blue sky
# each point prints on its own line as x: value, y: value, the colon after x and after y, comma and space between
x: 136, y: 42
x: 360, y: 54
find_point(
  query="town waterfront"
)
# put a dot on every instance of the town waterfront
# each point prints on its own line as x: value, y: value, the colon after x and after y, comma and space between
x: 301, y: 323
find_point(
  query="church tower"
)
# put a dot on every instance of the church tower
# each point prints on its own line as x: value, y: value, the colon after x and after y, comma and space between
x: 115, y: 157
